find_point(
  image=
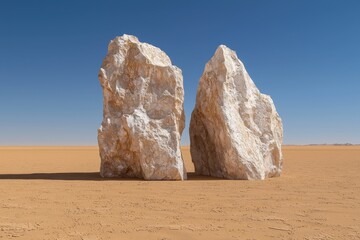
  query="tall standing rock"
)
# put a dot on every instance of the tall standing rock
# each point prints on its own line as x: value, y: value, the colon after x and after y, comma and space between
x: 143, y: 115
x: 235, y: 131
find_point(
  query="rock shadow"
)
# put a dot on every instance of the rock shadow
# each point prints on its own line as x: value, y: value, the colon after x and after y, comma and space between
x: 87, y: 176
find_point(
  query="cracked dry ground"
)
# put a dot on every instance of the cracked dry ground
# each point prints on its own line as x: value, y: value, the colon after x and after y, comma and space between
x: 56, y: 193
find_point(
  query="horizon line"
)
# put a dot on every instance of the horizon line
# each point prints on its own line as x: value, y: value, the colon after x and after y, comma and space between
x: 188, y: 145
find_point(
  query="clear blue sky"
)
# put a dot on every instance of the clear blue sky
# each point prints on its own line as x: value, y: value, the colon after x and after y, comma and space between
x: 305, y: 54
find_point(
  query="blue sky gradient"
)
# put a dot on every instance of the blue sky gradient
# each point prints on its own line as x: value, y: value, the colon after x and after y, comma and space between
x: 305, y: 54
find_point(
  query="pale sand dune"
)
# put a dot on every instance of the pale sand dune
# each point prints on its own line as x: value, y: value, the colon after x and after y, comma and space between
x: 56, y: 193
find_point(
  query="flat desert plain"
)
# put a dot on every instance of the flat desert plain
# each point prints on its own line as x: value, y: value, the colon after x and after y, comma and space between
x: 56, y: 193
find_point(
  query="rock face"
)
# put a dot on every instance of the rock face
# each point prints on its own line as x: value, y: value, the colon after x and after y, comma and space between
x: 235, y: 131
x: 143, y: 115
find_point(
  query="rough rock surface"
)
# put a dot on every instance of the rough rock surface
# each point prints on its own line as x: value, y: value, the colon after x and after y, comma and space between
x: 143, y: 115
x: 235, y: 131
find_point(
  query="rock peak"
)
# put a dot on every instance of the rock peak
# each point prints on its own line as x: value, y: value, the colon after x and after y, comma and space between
x: 147, y: 52
x: 128, y: 37
x: 224, y: 52
x: 224, y: 58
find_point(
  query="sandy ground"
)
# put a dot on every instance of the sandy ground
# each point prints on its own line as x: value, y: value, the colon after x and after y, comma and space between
x: 56, y: 193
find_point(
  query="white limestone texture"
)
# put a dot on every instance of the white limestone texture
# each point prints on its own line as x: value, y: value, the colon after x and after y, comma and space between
x: 235, y: 131
x: 143, y: 113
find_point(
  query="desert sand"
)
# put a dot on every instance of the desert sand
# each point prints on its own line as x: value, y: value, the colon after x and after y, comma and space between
x: 57, y: 193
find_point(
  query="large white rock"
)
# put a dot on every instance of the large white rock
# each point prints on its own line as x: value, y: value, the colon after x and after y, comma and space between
x: 143, y: 115
x: 235, y: 131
